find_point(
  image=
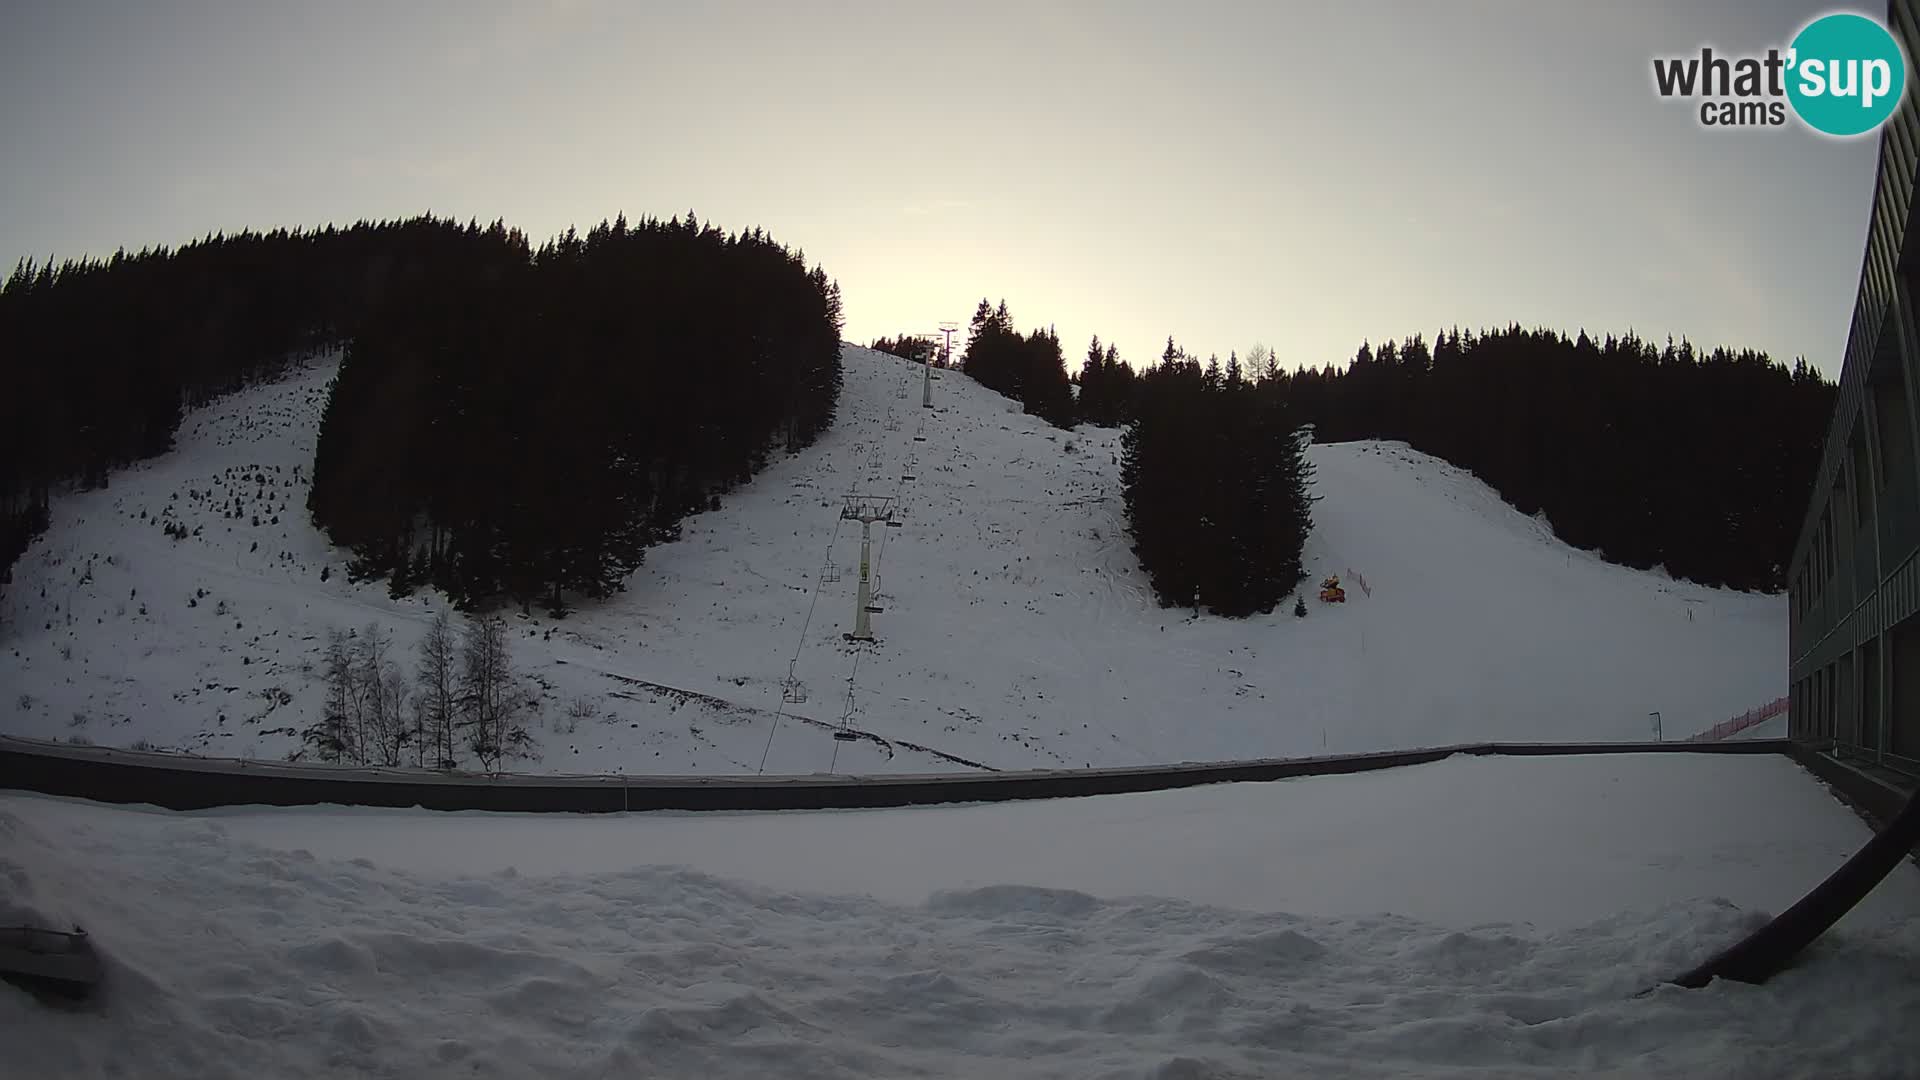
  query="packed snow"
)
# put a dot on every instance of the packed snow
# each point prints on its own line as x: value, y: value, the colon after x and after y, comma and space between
x: 1480, y: 917
x: 1017, y: 628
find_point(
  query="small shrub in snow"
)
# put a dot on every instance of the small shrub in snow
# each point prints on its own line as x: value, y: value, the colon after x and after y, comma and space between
x: 25, y: 702
x: 578, y: 710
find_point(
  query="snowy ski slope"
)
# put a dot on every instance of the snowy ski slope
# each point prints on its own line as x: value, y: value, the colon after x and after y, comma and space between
x: 1017, y: 630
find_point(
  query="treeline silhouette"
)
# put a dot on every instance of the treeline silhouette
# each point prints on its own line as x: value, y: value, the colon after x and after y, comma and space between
x: 102, y: 356
x: 1028, y: 369
x: 1651, y: 455
x: 1108, y: 386
x: 523, y: 426
x: 912, y: 347
x: 1215, y: 478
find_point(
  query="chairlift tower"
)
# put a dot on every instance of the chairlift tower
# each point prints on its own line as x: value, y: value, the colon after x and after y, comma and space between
x: 946, y: 360
x: 866, y: 509
x: 949, y: 329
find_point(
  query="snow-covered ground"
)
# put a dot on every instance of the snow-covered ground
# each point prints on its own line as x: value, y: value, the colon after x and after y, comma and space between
x: 1474, y: 917
x: 1017, y: 631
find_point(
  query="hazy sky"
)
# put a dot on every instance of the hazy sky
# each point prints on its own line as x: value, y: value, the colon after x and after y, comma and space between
x: 1300, y: 175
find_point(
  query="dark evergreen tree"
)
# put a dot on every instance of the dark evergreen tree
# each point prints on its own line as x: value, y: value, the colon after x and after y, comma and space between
x: 1650, y: 455
x: 505, y: 424
x: 1029, y: 369
x: 914, y: 347
x: 1106, y: 387
x: 1215, y: 482
x: 565, y: 408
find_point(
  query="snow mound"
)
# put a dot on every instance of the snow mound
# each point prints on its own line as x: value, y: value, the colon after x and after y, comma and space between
x: 1016, y: 630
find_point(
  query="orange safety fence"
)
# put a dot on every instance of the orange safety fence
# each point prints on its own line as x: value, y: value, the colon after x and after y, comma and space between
x: 1750, y: 718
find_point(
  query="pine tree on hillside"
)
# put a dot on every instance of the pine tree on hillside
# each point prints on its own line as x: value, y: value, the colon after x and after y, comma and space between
x: 1124, y: 383
x: 542, y: 469
x: 1045, y: 390
x: 1651, y: 454
x: 1029, y: 369
x: 1106, y: 387
x: 1215, y: 485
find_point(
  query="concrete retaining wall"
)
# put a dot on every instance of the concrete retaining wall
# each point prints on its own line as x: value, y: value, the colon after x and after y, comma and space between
x: 183, y: 782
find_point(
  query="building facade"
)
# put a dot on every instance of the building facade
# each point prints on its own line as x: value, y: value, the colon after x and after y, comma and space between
x: 1854, y: 582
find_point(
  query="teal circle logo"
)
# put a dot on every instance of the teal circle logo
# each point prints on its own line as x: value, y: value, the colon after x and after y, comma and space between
x: 1845, y: 74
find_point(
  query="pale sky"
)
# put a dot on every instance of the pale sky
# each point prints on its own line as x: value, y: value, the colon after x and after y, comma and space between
x: 1299, y: 175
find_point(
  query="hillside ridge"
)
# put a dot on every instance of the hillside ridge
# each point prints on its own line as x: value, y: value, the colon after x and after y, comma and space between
x: 1017, y: 629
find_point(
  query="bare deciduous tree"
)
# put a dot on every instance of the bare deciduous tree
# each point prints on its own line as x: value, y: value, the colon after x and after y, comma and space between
x: 1262, y: 363
x: 334, y: 738
x: 490, y: 699
x: 436, y: 709
x: 382, y: 690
